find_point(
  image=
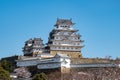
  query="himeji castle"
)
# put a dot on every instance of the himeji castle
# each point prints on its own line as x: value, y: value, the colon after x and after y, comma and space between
x: 63, y: 50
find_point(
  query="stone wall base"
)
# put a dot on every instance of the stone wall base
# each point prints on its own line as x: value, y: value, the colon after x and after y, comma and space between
x: 71, y: 54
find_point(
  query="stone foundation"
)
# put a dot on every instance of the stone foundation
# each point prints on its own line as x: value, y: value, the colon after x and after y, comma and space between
x: 71, y: 54
x: 65, y: 70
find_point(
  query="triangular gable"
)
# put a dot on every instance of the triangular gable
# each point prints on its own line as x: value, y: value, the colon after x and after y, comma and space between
x: 59, y: 55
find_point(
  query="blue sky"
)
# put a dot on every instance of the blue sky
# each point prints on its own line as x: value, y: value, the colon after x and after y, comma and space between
x: 98, y: 22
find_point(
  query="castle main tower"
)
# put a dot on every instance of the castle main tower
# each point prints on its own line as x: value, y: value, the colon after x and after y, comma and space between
x: 64, y: 39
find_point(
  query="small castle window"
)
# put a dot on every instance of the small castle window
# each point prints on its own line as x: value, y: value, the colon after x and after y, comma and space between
x: 56, y: 37
x: 75, y: 38
x: 59, y: 47
x: 65, y: 26
x: 67, y: 47
x: 73, y: 43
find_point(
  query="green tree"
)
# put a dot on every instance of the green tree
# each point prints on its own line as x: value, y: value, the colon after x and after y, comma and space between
x: 4, y: 75
x: 6, y: 65
x: 41, y: 76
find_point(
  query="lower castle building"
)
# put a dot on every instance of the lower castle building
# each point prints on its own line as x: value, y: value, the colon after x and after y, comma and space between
x: 62, y: 51
x: 60, y: 61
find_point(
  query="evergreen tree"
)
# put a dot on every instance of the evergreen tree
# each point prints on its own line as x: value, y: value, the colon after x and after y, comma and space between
x: 4, y: 75
x: 41, y: 76
x: 6, y: 65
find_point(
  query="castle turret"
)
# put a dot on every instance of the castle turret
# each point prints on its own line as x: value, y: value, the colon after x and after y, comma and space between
x: 64, y: 39
x: 33, y: 47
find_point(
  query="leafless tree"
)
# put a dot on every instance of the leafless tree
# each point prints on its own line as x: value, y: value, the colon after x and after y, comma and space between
x: 22, y: 72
